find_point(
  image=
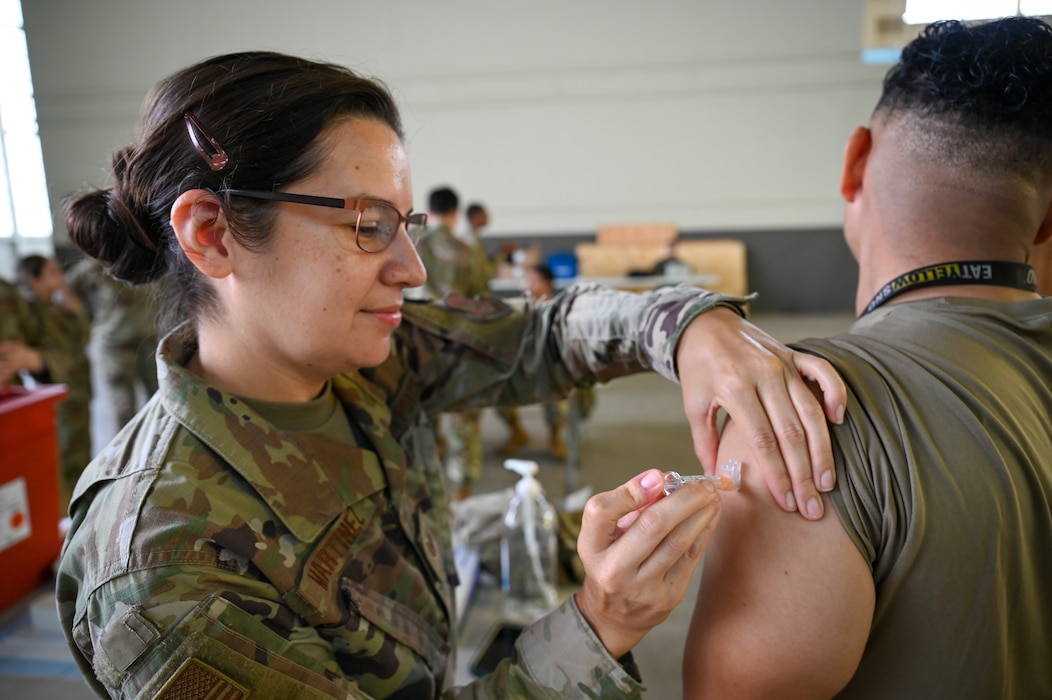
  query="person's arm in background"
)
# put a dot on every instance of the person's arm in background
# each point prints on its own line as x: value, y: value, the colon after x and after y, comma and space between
x: 16, y: 356
x: 15, y: 353
x: 785, y: 606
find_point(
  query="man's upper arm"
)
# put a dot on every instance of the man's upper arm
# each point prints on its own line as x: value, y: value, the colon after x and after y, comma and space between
x: 785, y: 606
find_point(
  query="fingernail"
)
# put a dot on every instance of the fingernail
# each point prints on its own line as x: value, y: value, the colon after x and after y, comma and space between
x: 649, y: 480
x: 790, y: 502
x: 814, y: 508
x: 840, y: 414
x: 709, y: 486
x: 827, y: 481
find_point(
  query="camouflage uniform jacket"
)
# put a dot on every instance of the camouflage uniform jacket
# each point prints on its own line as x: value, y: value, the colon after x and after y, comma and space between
x: 21, y: 322
x: 122, y: 316
x: 454, y: 266
x: 12, y: 313
x: 210, y: 551
x: 62, y: 337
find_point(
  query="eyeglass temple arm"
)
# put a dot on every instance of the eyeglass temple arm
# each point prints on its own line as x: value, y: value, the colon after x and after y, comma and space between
x: 289, y: 197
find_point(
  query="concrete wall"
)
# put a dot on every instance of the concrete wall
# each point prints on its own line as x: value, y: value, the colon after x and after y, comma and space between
x: 724, y: 117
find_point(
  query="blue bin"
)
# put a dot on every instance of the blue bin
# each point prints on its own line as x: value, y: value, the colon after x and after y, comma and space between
x: 563, y: 265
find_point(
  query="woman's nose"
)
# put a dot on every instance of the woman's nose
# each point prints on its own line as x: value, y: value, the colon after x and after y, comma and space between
x: 406, y: 268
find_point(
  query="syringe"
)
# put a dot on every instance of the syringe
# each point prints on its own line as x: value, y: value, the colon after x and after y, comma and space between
x: 728, y: 478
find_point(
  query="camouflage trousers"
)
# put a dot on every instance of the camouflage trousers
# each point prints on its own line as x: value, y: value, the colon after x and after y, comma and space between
x: 460, y: 433
x: 556, y: 412
x: 123, y: 369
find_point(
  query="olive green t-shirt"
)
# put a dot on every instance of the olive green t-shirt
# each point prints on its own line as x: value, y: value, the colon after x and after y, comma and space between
x: 944, y: 468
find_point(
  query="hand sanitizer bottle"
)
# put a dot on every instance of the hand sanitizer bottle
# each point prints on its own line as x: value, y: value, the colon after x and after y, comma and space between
x: 528, y: 548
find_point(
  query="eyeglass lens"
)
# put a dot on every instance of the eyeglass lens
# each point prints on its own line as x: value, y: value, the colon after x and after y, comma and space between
x: 379, y: 224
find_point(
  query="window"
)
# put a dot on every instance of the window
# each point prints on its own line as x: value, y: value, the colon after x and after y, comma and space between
x: 928, y: 11
x: 25, y: 211
x: 891, y: 24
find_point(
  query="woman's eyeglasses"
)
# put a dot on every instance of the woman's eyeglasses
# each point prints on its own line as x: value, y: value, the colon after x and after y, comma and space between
x: 374, y: 229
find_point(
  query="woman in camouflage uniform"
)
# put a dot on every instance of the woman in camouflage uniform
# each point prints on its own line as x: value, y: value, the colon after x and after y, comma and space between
x: 274, y: 521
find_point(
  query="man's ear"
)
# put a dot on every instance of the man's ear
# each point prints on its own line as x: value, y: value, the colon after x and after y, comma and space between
x: 201, y: 228
x: 1044, y: 231
x: 855, y: 155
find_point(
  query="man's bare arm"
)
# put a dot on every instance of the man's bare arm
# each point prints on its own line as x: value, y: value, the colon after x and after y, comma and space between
x: 785, y: 605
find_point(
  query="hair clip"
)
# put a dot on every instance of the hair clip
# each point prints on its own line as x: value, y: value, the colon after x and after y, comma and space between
x: 216, y: 161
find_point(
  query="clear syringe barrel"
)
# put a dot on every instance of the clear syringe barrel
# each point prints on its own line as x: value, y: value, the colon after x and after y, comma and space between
x: 727, y: 478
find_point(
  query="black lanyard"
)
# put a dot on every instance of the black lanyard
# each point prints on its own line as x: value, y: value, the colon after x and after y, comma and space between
x: 997, y: 273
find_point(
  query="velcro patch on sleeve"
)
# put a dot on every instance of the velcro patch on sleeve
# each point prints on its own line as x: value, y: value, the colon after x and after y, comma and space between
x: 128, y: 637
x: 195, y: 679
x: 482, y: 308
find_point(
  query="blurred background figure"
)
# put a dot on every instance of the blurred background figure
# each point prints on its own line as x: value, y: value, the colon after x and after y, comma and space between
x: 123, y: 335
x: 455, y: 264
x: 538, y: 285
x: 455, y: 267
x: 57, y: 325
x: 672, y: 265
x: 478, y: 219
x: 15, y: 355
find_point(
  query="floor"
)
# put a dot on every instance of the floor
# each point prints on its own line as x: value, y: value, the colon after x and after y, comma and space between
x: 637, y: 423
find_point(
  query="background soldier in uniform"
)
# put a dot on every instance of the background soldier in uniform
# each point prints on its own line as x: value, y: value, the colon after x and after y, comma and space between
x: 455, y: 266
x: 56, y: 323
x: 123, y: 334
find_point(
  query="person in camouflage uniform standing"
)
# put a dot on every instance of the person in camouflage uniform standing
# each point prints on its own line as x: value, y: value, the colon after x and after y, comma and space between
x: 538, y: 285
x: 123, y: 334
x: 455, y: 266
x: 274, y: 522
x: 57, y: 322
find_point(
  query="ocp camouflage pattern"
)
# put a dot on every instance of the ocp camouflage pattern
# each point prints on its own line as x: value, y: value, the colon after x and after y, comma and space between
x: 213, y: 552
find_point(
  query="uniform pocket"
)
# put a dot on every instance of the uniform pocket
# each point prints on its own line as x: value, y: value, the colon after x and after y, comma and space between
x: 401, y: 624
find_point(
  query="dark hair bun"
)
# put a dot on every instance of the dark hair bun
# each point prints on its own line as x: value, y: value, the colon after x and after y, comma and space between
x: 104, y: 224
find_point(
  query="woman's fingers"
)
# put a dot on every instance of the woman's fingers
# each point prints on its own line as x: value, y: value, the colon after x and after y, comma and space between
x: 726, y: 362
x: 638, y: 564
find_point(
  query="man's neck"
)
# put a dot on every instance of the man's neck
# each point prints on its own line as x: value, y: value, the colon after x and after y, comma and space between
x: 994, y: 280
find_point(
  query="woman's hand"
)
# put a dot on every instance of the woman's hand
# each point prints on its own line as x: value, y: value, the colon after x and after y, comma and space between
x: 726, y: 362
x: 639, y: 551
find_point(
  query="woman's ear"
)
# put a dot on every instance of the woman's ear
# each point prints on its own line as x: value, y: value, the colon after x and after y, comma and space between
x: 201, y: 227
x: 855, y: 155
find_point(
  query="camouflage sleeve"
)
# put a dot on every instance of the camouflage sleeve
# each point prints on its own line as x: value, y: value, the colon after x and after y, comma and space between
x: 195, y: 634
x: 472, y: 353
x: 557, y: 653
x: 165, y: 632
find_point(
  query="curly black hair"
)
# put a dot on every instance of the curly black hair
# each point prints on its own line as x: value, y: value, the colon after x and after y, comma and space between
x: 984, y: 88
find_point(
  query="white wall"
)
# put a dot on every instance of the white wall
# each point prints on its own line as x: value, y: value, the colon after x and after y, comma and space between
x: 558, y: 115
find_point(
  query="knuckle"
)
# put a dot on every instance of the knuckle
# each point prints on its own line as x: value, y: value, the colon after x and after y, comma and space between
x: 696, y: 550
x: 811, y: 409
x: 679, y: 543
x: 594, y: 506
x: 793, y: 434
x: 765, y: 442
x: 651, y: 522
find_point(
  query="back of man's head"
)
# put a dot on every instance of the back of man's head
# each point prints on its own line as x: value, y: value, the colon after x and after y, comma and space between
x: 977, y: 95
x: 442, y: 200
